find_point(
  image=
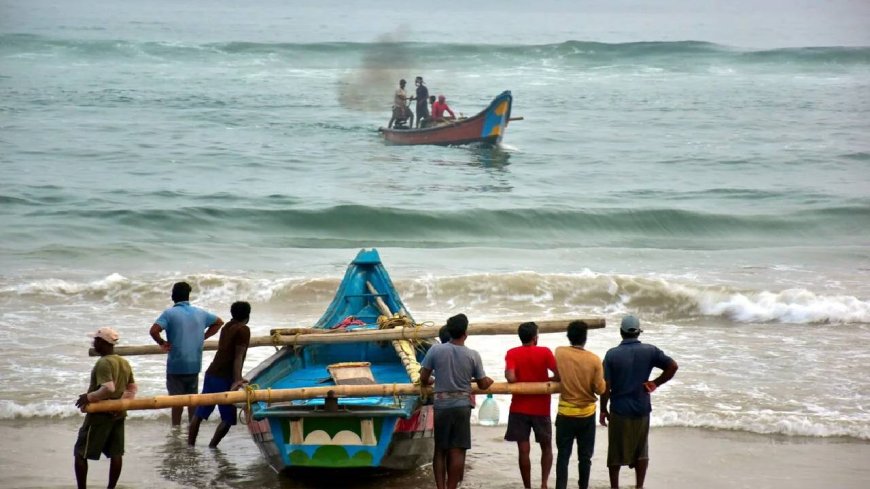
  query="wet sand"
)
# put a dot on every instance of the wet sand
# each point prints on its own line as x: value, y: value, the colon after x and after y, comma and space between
x: 38, y: 454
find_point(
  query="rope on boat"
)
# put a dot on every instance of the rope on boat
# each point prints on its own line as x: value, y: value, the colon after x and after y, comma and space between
x: 406, y: 348
x: 396, y: 400
x: 276, y: 340
x: 245, y: 412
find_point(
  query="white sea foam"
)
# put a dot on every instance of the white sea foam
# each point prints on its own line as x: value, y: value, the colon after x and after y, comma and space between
x: 797, y: 306
x: 765, y: 422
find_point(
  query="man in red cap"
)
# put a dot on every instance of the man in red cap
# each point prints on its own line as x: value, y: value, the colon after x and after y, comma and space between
x: 439, y: 107
x: 111, y: 378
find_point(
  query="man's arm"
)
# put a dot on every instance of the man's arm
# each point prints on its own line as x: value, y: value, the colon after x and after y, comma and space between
x: 510, y: 375
x: 666, y: 375
x: 426, y: 376
x: 155, y: 335
x: 238, y: 363
x: 484, y: 382
x: 554, y: 367
x: 604, y: 414
x: 214, y: 328
x: 130, y: 391
x: 556, y: 377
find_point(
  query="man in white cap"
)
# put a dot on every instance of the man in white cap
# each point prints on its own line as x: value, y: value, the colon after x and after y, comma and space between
x: 111, y: 378
x: 626, y: 373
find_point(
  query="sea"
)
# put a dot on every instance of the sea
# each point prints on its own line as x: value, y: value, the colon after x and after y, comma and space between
x: 704, y: 167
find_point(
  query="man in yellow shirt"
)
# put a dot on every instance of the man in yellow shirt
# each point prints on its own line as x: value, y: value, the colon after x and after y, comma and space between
x: 582, y: 381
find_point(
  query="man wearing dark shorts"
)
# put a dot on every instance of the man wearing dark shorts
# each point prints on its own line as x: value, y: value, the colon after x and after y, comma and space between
x: 186, y: 328
x: 455, y: 366
x: 530, y: 363
x: 103, y: 433
x: 582, y: 381
x: 225, y: 373
x: 626, y: 371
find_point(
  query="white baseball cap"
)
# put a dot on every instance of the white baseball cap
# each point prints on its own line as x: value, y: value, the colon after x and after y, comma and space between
x: 106, y: 334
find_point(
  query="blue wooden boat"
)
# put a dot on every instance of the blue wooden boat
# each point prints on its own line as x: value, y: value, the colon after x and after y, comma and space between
x: 392, y: 432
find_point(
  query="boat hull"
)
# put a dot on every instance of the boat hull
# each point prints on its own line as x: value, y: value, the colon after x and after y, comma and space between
x: 400, y: 443
x: 391, y: 432
x: 487, y: 127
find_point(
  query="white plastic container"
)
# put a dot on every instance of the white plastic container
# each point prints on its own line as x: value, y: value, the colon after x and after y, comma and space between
x: 487, y: 415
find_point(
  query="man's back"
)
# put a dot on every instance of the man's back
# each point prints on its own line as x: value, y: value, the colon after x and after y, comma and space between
x: 112, y: 368
x: 530, y: 363
x: 185, y: 327
x: 233, y: 334
x: 626, y: 368
x: 422, y: 95
x: 581, y: 379
x: 454, y: 367
x: 399, y: 97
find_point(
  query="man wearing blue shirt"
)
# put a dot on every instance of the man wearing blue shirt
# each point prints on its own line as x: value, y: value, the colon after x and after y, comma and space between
x: 186, y: 328
x: 626, y: 373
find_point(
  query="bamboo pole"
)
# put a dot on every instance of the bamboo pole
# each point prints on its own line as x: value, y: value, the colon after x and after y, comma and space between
x: 404, y: 349
x: 302, y: 336
x: 283, y: 395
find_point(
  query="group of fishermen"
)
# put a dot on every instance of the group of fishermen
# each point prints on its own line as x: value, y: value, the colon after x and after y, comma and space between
x: 404, y: 118
x: 186, y: 328
x: 621, y: 381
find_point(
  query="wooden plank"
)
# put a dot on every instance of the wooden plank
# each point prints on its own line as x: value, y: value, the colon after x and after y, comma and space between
x: 283, y: 395
x: 304, y: 336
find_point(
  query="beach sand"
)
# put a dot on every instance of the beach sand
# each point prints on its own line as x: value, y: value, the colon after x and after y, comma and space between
x: 37, y: 453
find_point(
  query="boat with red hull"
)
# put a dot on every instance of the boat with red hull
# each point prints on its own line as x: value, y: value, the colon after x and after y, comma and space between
x: 487, y: 127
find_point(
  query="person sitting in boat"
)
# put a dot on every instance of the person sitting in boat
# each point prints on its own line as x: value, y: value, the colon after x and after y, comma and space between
x: 438, y: 109
x: 401, y: 113
x: 427, y: 121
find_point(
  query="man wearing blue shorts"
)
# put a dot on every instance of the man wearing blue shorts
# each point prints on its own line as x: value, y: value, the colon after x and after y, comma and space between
x: 186, y: 328
x: 225, y: 373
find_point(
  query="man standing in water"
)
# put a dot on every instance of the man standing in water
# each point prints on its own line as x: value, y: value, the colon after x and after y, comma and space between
x: 582, y: 381
x: 455, y: 366
x: 186, y: 328
x: 111, y: 378
x: 530, y: 363
x: 225, y: 373
x: 626, y: 371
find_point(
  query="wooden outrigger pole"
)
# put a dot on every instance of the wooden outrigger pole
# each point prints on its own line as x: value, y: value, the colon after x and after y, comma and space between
x: 283, y: 395
x: 308, y: 336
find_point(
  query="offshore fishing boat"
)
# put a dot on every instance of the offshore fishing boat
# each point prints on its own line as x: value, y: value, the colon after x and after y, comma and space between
x: 393, y: 432
x: 487, y: 127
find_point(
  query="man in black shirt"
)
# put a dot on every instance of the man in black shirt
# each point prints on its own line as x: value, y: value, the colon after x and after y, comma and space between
x: 225, y: 373
x: 422, y: 97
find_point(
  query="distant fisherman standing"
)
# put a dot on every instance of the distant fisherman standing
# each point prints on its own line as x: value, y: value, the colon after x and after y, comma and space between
x: 422, y: 98
x: 111, y: 378
x: 186, y: 328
